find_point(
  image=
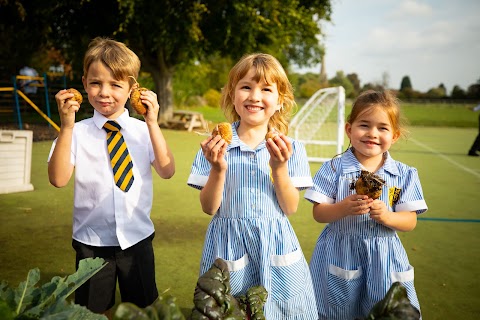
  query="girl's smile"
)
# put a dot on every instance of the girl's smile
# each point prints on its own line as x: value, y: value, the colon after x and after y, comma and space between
x: 255, y: 101
x: 371, y: 135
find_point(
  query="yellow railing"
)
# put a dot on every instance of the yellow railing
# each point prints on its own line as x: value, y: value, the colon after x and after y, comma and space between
x: 33, y: 105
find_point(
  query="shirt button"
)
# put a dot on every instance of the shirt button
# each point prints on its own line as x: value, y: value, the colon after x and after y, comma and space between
x: 252, y: 156
x: 253, y: 172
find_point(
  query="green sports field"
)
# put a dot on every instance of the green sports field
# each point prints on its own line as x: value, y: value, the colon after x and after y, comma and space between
x: 35, y: 227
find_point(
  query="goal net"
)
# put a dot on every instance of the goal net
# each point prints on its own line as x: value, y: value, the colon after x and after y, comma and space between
x: 319, y: 124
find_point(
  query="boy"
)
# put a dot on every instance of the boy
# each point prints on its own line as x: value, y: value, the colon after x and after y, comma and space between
x: 111, y: 215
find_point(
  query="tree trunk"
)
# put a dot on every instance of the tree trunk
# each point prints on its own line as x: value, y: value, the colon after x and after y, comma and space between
x: 163, y: 88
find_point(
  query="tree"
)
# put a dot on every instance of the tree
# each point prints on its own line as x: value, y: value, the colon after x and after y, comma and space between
x: 458, y: 93
x: 473, y: 91
x: 355, y: 80
x: 23, y: 33
x: 435, y: 93
x: 372, y: 86
x: 406, y: 83
x: 341, y: 80
x: 167, y: 33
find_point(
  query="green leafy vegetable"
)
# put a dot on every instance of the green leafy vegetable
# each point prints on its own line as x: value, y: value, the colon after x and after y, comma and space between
x: 164, y: 308
x: 394, y: 306
x: 212, y: 298
x: 213, y: 301
x: 29, y: 301
x: 253, y: 302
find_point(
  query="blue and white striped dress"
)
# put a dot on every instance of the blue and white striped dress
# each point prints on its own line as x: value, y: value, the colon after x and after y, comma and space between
x: 356, y: 259
x: 253, y: 235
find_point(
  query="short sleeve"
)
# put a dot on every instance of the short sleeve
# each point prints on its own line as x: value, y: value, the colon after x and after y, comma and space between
x: 200, y: 171
x: 72, y: 153
x: 411, y: 194
x: 298, y: 167
x: 325, y: 185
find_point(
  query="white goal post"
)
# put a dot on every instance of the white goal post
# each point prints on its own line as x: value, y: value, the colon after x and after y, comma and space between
x: 320, y: 124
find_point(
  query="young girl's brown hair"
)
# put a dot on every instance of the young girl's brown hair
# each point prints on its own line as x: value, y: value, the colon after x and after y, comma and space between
x: 371, y: 101
x: 123, y: 62
x: 268, y: 69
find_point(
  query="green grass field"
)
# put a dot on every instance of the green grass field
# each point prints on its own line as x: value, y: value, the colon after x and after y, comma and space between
x: 35, y: 227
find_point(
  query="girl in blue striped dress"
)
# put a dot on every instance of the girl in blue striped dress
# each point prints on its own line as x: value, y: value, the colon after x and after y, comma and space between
x: 251, y: 186
x: 359, y: 255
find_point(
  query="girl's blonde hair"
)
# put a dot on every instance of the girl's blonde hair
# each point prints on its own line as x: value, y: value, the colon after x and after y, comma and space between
x: 266, y: 68
x: 386, y: 100
x: 123, y: 62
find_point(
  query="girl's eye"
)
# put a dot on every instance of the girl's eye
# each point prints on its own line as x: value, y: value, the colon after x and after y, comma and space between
x: 245, y: 87
x: 267, y: 89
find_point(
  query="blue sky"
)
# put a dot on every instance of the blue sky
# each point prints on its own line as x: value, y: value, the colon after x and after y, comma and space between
x: 432, y: 42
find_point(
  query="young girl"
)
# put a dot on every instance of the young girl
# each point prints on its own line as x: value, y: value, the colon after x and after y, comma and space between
x: 359, y: 254
x: 251, y: 186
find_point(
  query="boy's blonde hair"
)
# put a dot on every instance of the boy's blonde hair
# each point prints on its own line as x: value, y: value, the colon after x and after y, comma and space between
x: 123, y: 62
x: 384, y: 100
x: 266, y: 68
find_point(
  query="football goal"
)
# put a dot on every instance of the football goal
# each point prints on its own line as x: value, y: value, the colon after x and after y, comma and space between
x: 320, y: 123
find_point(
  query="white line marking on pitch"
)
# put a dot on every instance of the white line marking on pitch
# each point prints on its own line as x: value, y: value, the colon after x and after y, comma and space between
x: 446, y: 158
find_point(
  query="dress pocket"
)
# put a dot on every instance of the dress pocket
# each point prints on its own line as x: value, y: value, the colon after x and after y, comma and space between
x: 406, y: 278
x: 288, y: 275
x: 343, y: 286
x: 403, y: 276
x: 289, y: 283
x: 241, y: 275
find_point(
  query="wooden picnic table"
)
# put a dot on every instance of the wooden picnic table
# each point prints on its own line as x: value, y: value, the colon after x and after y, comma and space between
x: 183, y: 119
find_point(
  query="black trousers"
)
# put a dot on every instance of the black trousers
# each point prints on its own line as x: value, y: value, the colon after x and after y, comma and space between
x: 476, y: 144
x: 134, y: 268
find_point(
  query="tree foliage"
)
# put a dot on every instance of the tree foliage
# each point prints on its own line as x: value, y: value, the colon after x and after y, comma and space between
x: 341, y: 80
x: 406, y: 84
x: 23, y: 32
x: 166, y: 34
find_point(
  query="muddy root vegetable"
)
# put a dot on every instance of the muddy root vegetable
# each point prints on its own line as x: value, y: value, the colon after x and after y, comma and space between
x: 369, y: 184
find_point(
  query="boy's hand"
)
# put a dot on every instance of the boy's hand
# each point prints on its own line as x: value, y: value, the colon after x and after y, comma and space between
x: 66, y: 108
x: 149, y: 98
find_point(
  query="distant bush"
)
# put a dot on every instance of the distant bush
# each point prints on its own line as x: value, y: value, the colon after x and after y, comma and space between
x: 212, y: 98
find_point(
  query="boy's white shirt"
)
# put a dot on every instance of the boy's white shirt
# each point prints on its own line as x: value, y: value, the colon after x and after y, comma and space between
x: 103, y: 214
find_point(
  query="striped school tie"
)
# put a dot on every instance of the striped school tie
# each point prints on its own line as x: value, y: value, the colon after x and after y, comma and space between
x: 119, y: 156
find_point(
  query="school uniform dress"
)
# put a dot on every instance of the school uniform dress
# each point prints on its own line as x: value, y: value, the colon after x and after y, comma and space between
x: 253, y: 235
x: 356, y: 259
